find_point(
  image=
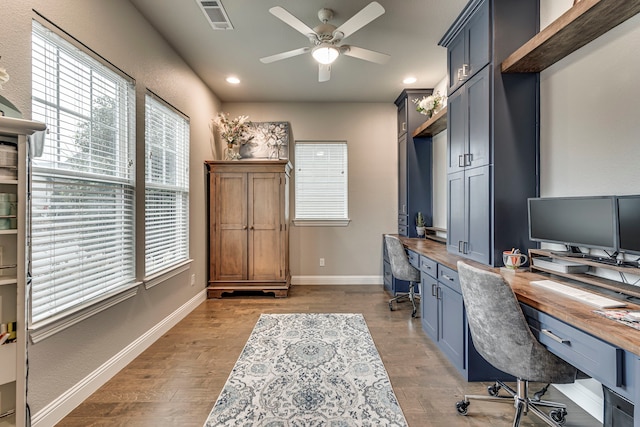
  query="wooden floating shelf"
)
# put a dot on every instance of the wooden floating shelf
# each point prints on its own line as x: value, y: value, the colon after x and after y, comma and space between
x: 436, y: 124
x: 583, y: 23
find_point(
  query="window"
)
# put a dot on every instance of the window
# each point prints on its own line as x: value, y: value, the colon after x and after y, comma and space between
x: 167, y: 187
x: 82, y: 209
x: 321, y: 183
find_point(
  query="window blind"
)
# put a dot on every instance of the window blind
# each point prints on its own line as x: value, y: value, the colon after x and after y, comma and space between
x: 321, y: 190
x: 82, y: 208
x: 167, y: 186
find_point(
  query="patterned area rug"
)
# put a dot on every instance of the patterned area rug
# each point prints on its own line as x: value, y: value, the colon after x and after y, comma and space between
x: 308, y: 370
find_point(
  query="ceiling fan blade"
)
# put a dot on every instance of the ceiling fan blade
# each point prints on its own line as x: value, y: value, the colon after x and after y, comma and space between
x: 360, y: 19
x: 291, y: 20
x: 324, y: 72
x: 366, y: 54
x: 284, y: 55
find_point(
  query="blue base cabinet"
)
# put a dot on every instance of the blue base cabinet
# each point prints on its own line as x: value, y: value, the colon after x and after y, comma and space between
x: 444, y: 321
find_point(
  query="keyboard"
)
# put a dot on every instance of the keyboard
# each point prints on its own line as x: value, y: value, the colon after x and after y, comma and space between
x: 586, y: 297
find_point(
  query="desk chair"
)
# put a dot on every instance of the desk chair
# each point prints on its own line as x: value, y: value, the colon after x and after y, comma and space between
x: 502, y: 336
x: 402, y: 270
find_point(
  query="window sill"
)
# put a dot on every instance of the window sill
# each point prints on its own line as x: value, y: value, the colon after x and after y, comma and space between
x: 42, y: 330
x: 321, y: 222
x: 161, y: 276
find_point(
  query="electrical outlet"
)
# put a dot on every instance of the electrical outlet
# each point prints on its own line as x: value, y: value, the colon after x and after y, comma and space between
x: 321, y: 262
x: 193, y: 279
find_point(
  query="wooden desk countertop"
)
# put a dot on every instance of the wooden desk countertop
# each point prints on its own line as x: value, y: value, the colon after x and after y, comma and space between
x: 563, y: 308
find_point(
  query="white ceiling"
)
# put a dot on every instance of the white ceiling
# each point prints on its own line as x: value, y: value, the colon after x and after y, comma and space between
x: 408, y: 31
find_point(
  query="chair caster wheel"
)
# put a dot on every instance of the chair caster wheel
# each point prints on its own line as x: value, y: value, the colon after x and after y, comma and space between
x: 461, y: 407
x: 493, y: 390
x: 413, y: 313
x: 390, y: 306
x: 559, y: 415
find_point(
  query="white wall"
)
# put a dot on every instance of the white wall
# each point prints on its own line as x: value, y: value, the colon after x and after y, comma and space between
x: 370, y: 132
x: 589, y: 123
x: 115, y: 30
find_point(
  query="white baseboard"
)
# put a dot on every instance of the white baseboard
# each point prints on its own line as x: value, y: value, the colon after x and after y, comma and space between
x: 60, y: 407
x: 336, y: 280
x: 582, y: 393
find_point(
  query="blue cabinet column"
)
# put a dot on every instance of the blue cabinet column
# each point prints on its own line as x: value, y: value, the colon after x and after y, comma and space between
x: 414, y: 164
x: 493, y: 137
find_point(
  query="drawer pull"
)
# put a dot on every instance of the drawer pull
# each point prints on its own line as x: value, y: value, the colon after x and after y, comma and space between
x: 447, y: 277
x: 555, y: 337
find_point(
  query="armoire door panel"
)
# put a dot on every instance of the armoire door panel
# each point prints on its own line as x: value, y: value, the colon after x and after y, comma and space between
x: 265, y: 255
x: 231, y: 255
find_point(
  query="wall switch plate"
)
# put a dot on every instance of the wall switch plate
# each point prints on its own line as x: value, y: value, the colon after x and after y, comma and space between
x: 193, y: 279
x: 321, y: 262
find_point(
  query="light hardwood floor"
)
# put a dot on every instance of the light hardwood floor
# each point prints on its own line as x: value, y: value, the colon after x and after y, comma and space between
x: 176, y: 381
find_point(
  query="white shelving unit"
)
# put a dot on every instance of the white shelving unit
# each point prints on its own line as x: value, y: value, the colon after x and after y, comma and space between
x: 13, y: 273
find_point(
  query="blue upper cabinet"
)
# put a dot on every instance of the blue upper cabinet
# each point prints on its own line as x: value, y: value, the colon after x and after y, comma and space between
x: 492, y: 123
x: 470, y: 49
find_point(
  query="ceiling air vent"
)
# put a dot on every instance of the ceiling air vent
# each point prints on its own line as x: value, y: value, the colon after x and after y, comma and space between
x: 215, y: 13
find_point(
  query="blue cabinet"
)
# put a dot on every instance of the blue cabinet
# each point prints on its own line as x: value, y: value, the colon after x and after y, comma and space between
x: 470, y: 49
x: 612, y: 366
x: 444, y: 321
x: 414, y: 164
x: 492, y: 123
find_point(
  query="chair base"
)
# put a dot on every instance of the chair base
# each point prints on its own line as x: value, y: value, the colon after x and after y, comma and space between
x: 411, y: 296
x: 522, y: 402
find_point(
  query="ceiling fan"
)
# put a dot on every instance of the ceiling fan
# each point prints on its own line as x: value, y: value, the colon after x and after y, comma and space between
x: 327, y: 38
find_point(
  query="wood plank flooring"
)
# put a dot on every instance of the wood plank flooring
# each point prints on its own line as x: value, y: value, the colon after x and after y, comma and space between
x: 176, y: 381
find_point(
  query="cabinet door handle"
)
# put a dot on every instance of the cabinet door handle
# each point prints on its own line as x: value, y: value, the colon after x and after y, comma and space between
x: 465, y: 248
x: 460, y: 78
x: 461, y: 160
x: 433, y: 290
x: 244, y: 227
x: 404, y: 126
x: 460, y: 246
x: 554, y: 336
x: 468, y: 158
x: 438, y: 292
x: 465, y: 71
x: 251, y: 228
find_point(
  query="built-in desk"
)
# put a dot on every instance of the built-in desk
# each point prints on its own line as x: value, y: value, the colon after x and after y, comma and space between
x: 604, y: 349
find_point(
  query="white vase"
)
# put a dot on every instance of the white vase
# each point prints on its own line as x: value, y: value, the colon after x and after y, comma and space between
x: 421, y: 231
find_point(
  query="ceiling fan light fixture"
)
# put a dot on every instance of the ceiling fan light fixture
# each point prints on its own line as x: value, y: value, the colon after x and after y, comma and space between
x: 325, y: 53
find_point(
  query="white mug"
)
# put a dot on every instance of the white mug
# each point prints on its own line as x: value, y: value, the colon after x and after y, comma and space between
x: 513, y: 260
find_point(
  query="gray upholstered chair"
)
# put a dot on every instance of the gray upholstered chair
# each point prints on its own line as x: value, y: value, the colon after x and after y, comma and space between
x: 502, y: 336
x: 402, y: 270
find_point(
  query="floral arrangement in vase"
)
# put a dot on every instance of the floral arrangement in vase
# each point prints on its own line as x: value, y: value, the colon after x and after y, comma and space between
x: 429, y: 105
x: 232, y: 131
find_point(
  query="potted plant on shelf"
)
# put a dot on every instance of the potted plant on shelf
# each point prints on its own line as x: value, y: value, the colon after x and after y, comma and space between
x: 421, y: 227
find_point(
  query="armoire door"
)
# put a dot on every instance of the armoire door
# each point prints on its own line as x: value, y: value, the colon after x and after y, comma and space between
x: 265, y: 227
x: 231, y: 226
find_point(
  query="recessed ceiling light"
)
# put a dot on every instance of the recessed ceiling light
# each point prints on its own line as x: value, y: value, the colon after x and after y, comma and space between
x: 233, y: 80
x: 409, y: 80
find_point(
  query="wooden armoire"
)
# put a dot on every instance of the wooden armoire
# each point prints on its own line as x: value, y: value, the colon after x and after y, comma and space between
x: 248, y: 226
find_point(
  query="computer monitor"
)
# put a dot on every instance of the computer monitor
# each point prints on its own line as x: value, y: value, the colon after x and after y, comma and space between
x: 629, y: 224
x: 574, y: 221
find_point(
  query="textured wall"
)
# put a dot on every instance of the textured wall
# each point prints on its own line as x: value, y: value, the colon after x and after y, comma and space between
x: 119, y: 33
x: 369, y: 130
x: 589, y: 115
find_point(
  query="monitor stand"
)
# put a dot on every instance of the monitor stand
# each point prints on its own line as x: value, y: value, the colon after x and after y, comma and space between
x: 571, y: 252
